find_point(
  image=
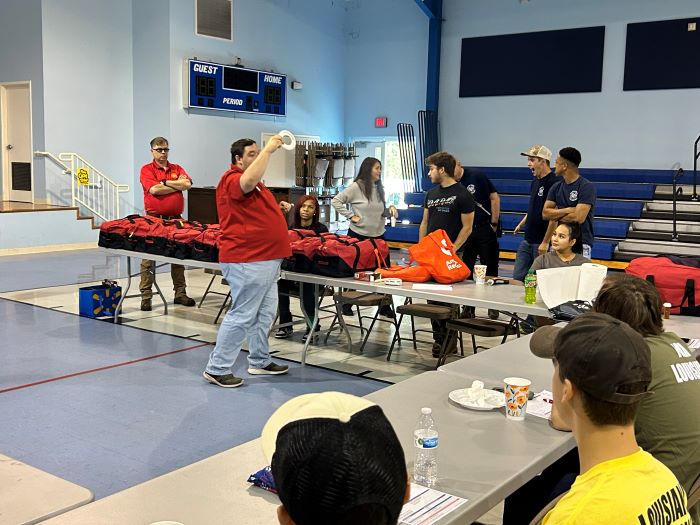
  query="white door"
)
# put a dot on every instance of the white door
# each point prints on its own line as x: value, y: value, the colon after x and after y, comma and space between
x: 16, y: 153
x: 364, y: 149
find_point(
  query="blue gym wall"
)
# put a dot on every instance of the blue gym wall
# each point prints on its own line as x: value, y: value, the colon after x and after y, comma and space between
x: 107, y: 76
x: 88, y: 93
x: 21, y: 59
x: 302, y: 39
x: 386, y: 56
x: 643, y: 129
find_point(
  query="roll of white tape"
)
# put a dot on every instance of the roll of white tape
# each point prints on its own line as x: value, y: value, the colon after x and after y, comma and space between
x: 292, y: 139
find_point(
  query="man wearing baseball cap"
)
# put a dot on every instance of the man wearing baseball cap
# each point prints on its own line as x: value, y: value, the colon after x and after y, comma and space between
x: 537, y: 230
x: 602, y: 370
x: 573, y: 198
x: 335, y: 459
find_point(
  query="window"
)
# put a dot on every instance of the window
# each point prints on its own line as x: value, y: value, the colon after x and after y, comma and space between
x: 394, y: 184
x: 214, y: 18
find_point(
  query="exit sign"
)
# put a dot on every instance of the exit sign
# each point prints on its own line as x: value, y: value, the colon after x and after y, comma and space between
x: 380, y: 122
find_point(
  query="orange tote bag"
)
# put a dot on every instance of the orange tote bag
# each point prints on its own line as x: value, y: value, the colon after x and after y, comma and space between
x: 436, y: 253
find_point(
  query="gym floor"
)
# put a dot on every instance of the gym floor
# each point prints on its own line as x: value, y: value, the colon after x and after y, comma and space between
x: 110, y: 406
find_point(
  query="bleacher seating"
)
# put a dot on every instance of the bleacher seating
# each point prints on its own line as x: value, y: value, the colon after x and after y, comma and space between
x: 621, y: 197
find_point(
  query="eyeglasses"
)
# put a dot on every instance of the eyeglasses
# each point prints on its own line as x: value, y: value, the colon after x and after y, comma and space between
x: 161, y: 150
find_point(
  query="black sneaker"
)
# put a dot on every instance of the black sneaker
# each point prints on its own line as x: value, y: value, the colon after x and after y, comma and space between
x: 225, y: 381
x: 347, y: 309
x: 284, y: 332
x: 306, y: 334
x: 185, y: 301
x: 272, y: 369
x: 387, y: 311
x: 146, y: 305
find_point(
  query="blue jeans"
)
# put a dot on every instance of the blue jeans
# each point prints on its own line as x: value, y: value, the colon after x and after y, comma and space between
x: 253, y: 309
x: 586, y: 251
x: 526, y: 255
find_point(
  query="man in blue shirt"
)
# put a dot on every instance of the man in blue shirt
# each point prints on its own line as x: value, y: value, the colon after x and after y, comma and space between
x: 537, y: 230
x: 573, y: 198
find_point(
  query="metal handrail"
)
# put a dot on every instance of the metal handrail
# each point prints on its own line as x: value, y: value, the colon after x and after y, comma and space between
x: 676, y: 176
x: 696, y: 154
x: 100, y: 196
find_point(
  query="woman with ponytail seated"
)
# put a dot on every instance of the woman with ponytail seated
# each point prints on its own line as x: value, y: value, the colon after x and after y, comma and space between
x: 566, y: 248
x: 306, y: 215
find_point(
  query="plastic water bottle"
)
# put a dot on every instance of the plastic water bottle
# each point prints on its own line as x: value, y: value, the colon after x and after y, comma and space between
x: 426, y: 442
x: 530, y: 287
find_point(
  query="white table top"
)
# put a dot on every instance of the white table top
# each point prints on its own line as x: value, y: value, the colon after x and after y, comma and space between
x: 29, y: 495
x: 213, y: 491
x: 683, y: 326
x: 482, y: 456
x: 506, y: 298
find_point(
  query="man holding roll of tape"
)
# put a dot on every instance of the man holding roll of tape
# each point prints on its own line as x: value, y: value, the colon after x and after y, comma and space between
x: 252, y: 245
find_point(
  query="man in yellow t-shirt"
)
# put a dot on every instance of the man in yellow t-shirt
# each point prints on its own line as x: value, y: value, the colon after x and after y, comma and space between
x: 602, y: 370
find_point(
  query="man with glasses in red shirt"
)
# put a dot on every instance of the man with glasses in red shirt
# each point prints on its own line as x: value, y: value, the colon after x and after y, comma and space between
x: 163, y: 184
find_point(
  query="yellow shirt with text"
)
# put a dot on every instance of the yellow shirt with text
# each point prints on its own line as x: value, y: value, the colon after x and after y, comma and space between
x: 636, y: 490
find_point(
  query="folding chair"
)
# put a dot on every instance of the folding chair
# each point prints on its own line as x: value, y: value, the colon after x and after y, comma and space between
x: 227, y: 296
x: 480, y: 327
x: 434, y: 312
x: 360, y: 299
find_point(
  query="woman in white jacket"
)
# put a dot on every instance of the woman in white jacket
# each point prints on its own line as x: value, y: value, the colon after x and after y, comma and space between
x: 363, y: 203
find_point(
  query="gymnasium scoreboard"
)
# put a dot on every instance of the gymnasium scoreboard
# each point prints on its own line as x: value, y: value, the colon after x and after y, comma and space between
x: 229, y: 88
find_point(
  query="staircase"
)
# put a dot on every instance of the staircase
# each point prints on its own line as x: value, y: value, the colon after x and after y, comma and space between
x: 652, y: 234
x: 95, y: 198
x: 92, y: 191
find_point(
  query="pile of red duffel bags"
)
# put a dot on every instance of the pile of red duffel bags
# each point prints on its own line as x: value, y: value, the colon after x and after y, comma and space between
x: 334, y: 255
x: 326, y: 254
x: 176, y: 238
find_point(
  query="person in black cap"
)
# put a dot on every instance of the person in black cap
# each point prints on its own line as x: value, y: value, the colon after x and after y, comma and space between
x: 335, y: 459
x: 602, y: 371
x: 573, y: 198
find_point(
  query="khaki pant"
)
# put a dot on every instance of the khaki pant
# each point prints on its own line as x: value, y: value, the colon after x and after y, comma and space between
x: 177, y: 272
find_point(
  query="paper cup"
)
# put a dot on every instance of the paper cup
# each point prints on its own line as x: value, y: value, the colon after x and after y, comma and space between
x: 516, y: 390
x: 480, y: 274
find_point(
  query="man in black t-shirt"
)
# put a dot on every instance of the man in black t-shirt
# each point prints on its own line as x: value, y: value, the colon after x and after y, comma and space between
x: 448, y: 206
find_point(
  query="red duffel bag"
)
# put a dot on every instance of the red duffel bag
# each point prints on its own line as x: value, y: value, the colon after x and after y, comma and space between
x: 302, y: 256
x: 678, y: 284
x: 134, y: 232
x: 344, y: 257
x: 180, y: 236
x: 206, y: 245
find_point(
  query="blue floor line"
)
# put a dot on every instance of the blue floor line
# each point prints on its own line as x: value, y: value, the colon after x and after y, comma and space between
x: 110, y: 430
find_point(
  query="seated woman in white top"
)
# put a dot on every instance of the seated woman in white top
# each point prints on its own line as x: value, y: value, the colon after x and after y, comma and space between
x: 566, y: 248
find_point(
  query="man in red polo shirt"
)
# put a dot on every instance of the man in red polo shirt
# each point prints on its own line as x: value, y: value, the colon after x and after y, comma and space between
x: 253, y: 243
x: 163, y: 184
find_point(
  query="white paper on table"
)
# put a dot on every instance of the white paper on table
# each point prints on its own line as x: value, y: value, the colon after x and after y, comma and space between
x: 693, y: 343
x: 427, y: 506
x: 434, y: 287
x: 559, y: 285
x: 540, y: 405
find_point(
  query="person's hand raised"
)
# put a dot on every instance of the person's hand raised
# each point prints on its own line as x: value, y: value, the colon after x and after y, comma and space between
x: 273, y: 143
